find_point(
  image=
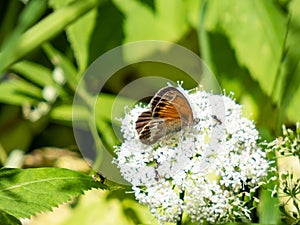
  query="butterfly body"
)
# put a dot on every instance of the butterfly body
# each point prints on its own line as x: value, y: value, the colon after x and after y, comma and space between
x: 170, y: 112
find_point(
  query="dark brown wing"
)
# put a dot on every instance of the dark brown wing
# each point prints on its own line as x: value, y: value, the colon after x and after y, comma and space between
x: 153, y: 131
x: 143, y: 120
x: 158, y: 96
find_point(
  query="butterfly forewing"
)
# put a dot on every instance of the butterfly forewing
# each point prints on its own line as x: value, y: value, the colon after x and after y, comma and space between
x: 170, y: 112
x: 174, y: 105
x: 158, y: 96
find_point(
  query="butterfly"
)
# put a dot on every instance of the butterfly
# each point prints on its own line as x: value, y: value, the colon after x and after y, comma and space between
x: 170, y: 112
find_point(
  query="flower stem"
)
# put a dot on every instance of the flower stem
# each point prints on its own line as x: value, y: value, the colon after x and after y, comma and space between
x: 179, y: 222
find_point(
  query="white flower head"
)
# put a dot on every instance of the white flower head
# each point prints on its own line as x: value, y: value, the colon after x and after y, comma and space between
x: 201, y: 170
x: 58, y: 75
x: 49, y: 93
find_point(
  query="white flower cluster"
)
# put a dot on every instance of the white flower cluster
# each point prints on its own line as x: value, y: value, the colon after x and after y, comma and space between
x: 208, y: 170
x: 34, y: 112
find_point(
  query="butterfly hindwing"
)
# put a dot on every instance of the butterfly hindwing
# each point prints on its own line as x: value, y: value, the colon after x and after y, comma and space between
x: 153, y: 131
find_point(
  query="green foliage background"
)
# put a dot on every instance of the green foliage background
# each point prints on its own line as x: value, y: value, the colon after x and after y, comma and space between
x: 252, y: 46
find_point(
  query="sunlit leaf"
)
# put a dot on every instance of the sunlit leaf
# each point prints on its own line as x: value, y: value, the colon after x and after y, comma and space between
x: 143, y: 23
x: 34, y: 72
x: 79, y: 40
x: 27, y: 18
x: 26, y: 192
x: 18, y: 92
x: 60, y: 60
x: 255, y: 30
x: 38, y: 74
x: 96, y: 208
x: 46, y: 29
x: 292, y: 79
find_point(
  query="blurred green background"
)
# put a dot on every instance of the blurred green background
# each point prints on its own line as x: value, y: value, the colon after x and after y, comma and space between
x: 251, y: 46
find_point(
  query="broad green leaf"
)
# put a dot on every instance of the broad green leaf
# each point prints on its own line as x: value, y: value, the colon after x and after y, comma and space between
x: 113, y: 207
x: 46, y: 29
x: 102, y: 42
x: 292, y: 90
x: 255, y: 30
x: 79, y: 40
x: 193, y: 8
x: 6, y: 219
x: 143, y: 23
x: 26, y: 192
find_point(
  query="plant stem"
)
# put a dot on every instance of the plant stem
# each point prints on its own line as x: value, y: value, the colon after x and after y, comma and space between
x: 46, y: 29
x: 181, y: 196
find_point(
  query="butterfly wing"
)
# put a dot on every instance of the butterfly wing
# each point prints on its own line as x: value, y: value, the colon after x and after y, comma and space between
x: 158, y: 96
x: 172, y: 106
x: 146, y: 116
x: 153, y: 131
x: 170, y: 111
x: 142, y: 121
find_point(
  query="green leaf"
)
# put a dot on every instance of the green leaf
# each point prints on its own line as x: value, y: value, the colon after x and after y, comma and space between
x: 6, y: 219
x: 60, y: 60
x: 31, y: 13
x: 292, y: 90
x: 9, y: 20
x: 193, y: 7
x: 46, y: 29
x: 37, y: 74
x: 26, y: 192
x: 62, y: 113
x: 255, y: 30
x: 142, y: 23
x: 79, y: 40
x: 114, y: 207
x: 111, y: 107
x: 18, y: 136
x: 102, y: 42
x: 9, y: 96
x: 34, y: 72
x: 17, y: 92
x: 268, y: 208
